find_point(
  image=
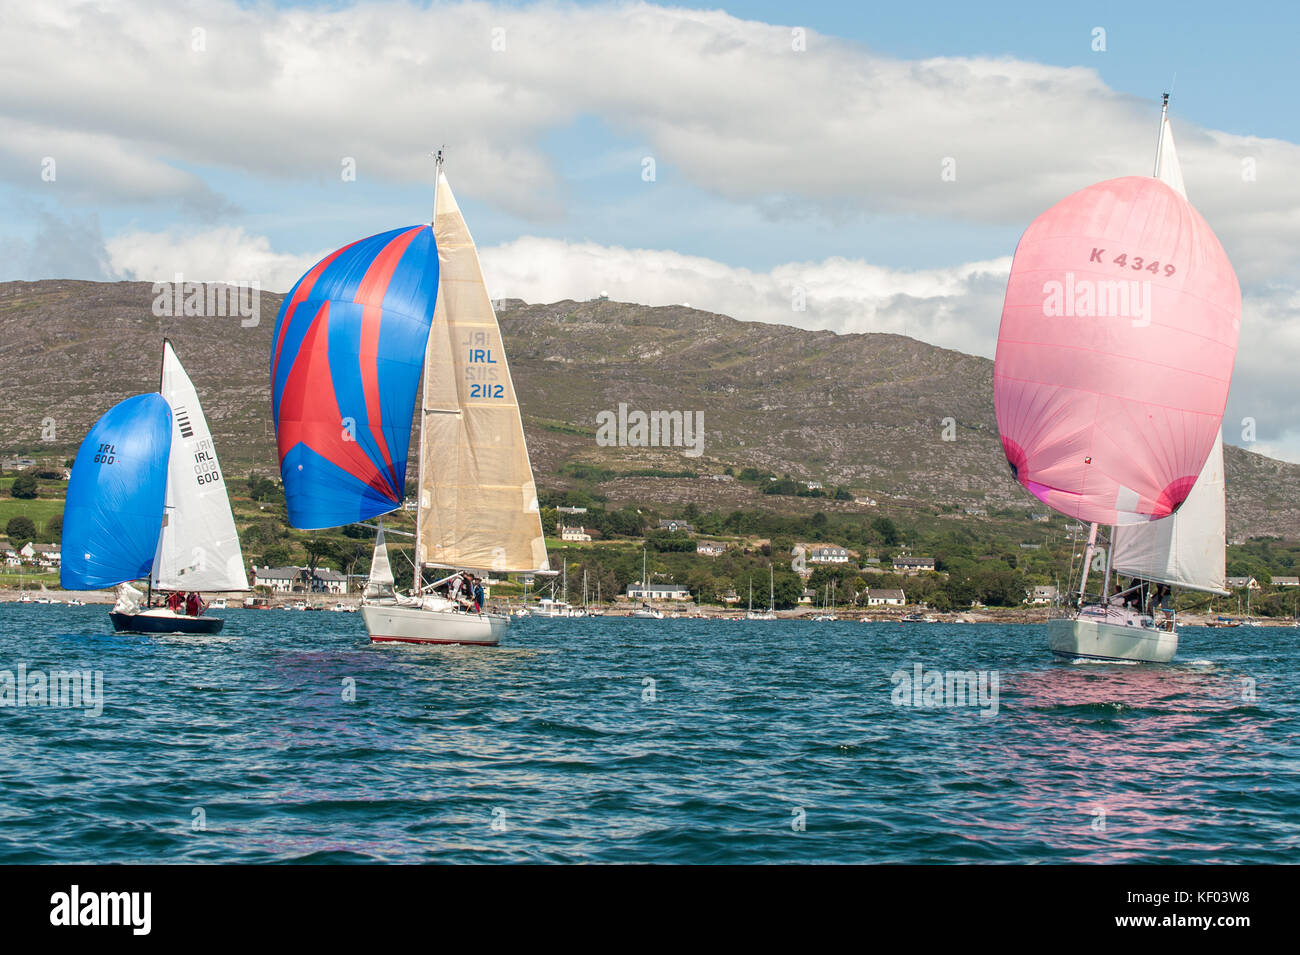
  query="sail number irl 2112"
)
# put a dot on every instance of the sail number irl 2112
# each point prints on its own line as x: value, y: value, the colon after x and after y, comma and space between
x: 483, y: 389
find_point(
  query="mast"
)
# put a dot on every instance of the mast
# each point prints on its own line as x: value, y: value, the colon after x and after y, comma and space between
x: 1110, y: 555
x: 771, y: 589
x: 162, y: 370
x: 418, y: 583
x: 1160, y: 137
x: 1155, y: 172
x: 1087, y: 562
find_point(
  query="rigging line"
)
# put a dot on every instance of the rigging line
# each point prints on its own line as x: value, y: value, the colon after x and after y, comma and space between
x: 385, y: 528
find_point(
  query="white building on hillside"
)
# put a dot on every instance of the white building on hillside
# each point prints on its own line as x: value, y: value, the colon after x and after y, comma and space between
x: 884, y: 597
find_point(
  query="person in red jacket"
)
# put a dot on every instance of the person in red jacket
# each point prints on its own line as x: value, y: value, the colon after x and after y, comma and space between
x: 193, y: 604
x: 175, y: 603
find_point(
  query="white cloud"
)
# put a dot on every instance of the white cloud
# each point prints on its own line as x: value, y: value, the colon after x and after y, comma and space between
x: 136, y: 106
x: 947, y: 306
x: 286, y: 93
x: 217, y: 255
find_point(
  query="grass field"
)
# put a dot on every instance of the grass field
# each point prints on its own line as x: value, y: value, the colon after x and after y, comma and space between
x: 10, y: 579
x: 40, y: 509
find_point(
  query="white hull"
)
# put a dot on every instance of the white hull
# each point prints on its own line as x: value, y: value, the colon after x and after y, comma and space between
x: 397, y: 624
x: 1116, y: 636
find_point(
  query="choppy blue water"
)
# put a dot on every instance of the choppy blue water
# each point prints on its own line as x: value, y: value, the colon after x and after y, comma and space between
x: 555, y: 748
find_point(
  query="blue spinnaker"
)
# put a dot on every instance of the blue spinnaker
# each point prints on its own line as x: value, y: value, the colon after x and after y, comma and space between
x: 116, y: 493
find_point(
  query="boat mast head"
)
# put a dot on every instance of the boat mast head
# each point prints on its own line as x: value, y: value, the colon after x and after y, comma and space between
x: 1160, y: 137
x: 437, y: 176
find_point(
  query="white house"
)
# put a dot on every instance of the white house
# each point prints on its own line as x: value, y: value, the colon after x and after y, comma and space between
x: 1237, y: 583
x: 574, y: 534
x: 827, y: 554
x: 329, y: 582
x: 710, y: 549
x: 281, y: 580
x: 1044, y: 594
x: 1286, y: 581
x: 674, y: 526
x: 912, y: 565
x: 881, y: 597
x: 640, y: 591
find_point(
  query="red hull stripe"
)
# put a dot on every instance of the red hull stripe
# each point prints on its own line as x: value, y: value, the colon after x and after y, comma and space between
x: 463, y: 643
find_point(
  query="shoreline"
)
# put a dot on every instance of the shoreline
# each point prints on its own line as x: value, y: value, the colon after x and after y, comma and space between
x: 327, y: 602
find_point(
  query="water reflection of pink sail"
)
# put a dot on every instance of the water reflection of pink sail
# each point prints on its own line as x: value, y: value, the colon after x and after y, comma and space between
x: 1115, y: 351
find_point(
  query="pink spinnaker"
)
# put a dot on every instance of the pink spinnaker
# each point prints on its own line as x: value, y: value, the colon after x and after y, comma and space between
x: 1115, y: 352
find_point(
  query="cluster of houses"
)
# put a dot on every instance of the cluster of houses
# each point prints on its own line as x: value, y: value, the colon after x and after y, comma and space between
x: 38, y: 557
x: 301, y: 580
x: 1250, y: 583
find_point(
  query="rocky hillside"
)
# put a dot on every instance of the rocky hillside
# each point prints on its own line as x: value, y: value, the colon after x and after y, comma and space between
x: 866, y: 411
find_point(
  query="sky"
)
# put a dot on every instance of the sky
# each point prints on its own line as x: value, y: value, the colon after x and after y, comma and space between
x: 738, y: 159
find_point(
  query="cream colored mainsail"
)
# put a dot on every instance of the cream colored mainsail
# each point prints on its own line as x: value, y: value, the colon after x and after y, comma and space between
x: 478, y: 503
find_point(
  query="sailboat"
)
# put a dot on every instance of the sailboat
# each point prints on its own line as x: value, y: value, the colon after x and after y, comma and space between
x: 770, y: 612
x: 1111, y: 413
x: 361, y: 334
x: 828, y: 608
x: 381, y: 585
x: 645, y: 611
x: 147, y: 497
x: 551, y: 607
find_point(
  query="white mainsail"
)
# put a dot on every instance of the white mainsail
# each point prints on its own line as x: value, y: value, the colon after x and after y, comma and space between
x: 1185, y: 549
x: 381, y: 581
x: 198, y: 548
x: 478, y: 503
x: 1168, y: 169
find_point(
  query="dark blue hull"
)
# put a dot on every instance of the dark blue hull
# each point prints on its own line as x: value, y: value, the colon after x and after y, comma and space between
x: 145, y: 623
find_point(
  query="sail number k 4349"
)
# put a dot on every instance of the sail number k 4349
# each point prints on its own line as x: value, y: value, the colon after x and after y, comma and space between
x: 1137, y: 263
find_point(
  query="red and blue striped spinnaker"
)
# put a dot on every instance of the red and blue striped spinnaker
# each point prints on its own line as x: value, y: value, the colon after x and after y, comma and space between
x: 346, y: 363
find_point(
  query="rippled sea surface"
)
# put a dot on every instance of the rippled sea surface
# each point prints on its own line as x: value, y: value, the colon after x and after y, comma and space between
x: 619, y: 740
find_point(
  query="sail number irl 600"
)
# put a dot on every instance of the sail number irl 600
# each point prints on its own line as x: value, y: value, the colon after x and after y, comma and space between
x: 106, y: 454
x: 1136, y: 263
